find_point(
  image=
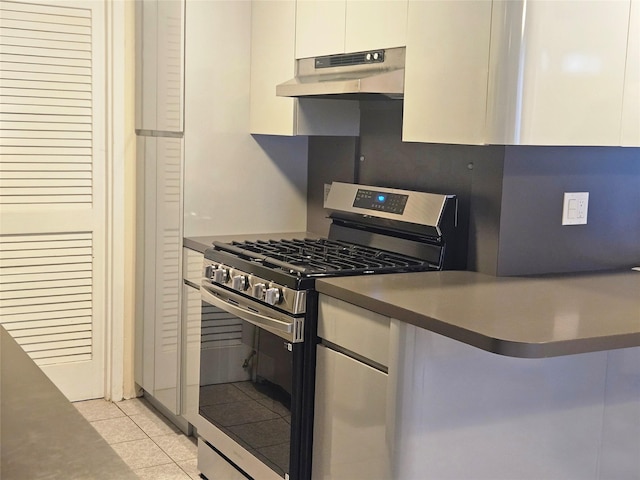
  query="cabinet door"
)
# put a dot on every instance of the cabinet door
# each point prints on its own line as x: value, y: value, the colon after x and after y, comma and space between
x: 349, y: 438
x: 146, y: 63
x: 168, y: 281
x: 621, y: 419
x: 446, y: 71
x: 191, y: 307
x: 272, y: 46
x: 374, y: 24
x: 631, y: 99
x: 320, y: 27
x: 159, y: 65
x: 146, y: 276
x: 557, y: 72
x: 160, y: 238
x: 190, y: 334
x: 342, y: 323
x: 170, y: 65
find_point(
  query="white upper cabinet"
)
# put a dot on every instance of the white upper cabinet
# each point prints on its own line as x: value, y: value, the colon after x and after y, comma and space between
x: 160, y: 65
x: 272, y: 62
x: 447, y: 61
x: 319, y: 27
x: 327, y: 27
x: 375, y: 24
x: 631, y: 97
x: 518, y: 72
x: 170, y: 65
x: 146, y: 63
x: 272, y: 44
x: 557, y: 72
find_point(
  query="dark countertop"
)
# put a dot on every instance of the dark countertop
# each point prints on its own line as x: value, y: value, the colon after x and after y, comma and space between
x: 528, y: 317
x: 42, y: 435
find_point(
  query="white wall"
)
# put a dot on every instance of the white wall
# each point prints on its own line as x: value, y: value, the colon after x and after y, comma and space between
x: 234, y: 183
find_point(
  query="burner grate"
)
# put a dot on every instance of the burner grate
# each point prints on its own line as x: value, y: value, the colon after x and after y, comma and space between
x: 319, y: 257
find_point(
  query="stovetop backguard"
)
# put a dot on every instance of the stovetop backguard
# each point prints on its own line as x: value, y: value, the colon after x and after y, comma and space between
x: 417, y: 224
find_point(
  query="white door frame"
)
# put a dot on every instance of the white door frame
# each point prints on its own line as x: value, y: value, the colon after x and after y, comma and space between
x: 120, y: 228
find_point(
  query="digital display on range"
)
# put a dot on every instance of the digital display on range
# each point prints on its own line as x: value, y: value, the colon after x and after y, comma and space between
x: 380, y: 201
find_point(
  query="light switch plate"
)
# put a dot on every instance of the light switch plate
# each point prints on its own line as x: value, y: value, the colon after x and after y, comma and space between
x: 575, y: 208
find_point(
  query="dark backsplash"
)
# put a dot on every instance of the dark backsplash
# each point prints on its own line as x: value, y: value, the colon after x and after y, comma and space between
x: 510, y: 198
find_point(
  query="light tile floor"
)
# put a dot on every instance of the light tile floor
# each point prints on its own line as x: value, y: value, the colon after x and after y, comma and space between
x: 152, y: 446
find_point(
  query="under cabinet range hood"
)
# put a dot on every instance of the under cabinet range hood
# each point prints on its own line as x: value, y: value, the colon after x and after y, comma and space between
x: 372, y: 74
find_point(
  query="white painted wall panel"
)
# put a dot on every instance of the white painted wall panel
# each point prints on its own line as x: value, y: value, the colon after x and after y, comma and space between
x: 234, y: 182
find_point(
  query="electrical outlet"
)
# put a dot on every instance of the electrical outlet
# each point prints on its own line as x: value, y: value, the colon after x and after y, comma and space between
x: 575, y: 208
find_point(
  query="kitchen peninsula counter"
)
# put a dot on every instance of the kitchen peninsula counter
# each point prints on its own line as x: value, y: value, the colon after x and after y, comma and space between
x: 527, y: 317
x: 502, y: 377
x: 42, y: 435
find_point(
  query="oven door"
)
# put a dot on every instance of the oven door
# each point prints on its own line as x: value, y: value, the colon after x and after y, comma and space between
x: 250, y: 382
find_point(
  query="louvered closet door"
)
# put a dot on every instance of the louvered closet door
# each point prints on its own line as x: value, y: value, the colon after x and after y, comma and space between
x: 52, y: 188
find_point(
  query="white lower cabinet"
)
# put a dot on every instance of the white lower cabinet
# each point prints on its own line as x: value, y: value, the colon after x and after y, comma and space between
x: 190, y: 353
x: 619, y: 457
x: 160, y: 238
x: 191, y: 323
x: 461, y: 412
x: 449, y: 411
x: 350, y: 426
x: 350, y: 419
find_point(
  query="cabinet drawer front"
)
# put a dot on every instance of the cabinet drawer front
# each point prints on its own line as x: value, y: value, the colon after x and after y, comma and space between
x: 358, y: 330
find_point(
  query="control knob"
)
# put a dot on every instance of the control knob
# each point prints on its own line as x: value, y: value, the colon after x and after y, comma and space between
x: 221, y: 275
x: 208, y: 271
x: 240, y: 282
x: 273, y: 296
x: 258, y: 291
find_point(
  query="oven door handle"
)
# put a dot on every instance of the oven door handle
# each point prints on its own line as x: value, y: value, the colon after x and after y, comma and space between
x: 254, y: 318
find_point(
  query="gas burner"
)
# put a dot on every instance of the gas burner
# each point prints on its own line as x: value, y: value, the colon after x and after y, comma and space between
x: 320, y: 257
x: 373, y: 230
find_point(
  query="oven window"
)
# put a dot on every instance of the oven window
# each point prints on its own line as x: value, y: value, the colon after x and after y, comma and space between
x: 246, y: 385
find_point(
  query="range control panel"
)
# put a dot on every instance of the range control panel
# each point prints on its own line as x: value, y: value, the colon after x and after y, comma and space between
x: 380, y: 201
x: 395, y: 204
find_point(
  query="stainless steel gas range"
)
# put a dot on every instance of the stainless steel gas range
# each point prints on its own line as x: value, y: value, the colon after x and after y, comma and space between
x: 257, y: 366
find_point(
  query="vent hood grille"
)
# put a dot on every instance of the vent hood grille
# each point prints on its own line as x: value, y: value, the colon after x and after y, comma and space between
x: 350, y: 59
x: 375, y: 73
